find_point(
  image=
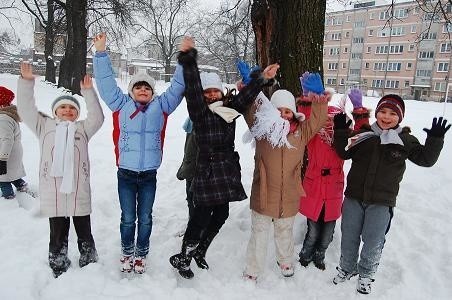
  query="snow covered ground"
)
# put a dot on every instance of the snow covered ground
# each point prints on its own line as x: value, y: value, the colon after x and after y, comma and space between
x: 416, y: 262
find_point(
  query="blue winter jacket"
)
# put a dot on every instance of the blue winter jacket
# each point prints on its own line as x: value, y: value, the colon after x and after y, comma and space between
x: 139, y: 141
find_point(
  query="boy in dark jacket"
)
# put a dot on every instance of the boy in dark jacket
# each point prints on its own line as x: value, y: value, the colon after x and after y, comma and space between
x: 378, y: 163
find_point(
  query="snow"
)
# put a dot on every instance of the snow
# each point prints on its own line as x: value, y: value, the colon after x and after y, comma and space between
x: 415, y: 262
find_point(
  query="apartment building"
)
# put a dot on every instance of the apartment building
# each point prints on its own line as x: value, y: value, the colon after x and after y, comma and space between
x: 407, y: 54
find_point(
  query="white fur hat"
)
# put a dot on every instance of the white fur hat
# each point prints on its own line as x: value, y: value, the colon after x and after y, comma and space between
x: 141, y: 77
x: 211, y: 81
x: 284, y: 98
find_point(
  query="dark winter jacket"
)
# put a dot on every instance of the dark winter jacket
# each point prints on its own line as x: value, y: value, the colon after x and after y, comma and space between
x: 188, y: 166
x: 217, y: 178
x: 377, y: 169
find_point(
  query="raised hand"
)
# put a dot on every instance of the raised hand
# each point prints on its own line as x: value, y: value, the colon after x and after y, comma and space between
x: 86, y: 82
x: 340, y: 121
x: 302, y: 80
x: 187, y: 44
x: 313, y: 83
x: 439, y: 127
x: 356, y: 97
x: 26, y: 71
x: 270, y: 71
x: 100, y: 41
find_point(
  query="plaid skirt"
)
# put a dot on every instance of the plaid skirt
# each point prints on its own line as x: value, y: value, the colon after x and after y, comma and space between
x: 217, y: 179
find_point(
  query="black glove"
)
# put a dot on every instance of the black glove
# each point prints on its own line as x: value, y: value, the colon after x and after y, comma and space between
x: 439, y: 127
x: 340, y: 121
x: 189, y: 57
x: 2, y: 167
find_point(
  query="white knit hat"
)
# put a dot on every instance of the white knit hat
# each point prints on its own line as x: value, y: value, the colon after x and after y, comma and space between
x: 284, y: 98
x: 211, y: 81
x: 65, y: 99
x: 141, y: 77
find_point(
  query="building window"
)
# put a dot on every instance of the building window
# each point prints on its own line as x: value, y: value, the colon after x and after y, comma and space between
x: 358, y: 24
x: 381, y: 49
x: 347, y: 19
x: 337, y: 21
x: 379, y: 66
x: 377, y: 83
x: 407, y: 83
x: 384, y: 15
x: 383, y: 32
x: 397, y: 31
x: 411, y: 47
x: 401, y: 13
x: 445, y: 48
x: 394, y: 66
x: 327, y: 21
x: 392, y: 84
x: 440, y: 86
x: 371, y: 16
x: 424, y: 73
x: 443, y: 67
x: 331, y: 81
x: 413, y: 28
x: 367, y: 65
x: 416, y: 10
x: 336, y: 36
x: 371, y: 32
x: 357, y: 56
x: 396, y: 49
x: 342, y: 81
x: 332, y: 66
x: 334, y: 51
x: 447, y: 28
x: 344, y: 65
x: 428, y: 36
x: 426, y: 54
x: 355, y: 71
x: 347, y: 34
x: 409, y: 66
x: 369, y: 49
x: 358, y: 40
x: 345, y: 50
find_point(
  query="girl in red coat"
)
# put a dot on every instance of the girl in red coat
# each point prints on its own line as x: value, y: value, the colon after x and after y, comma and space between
x: 324, y: 183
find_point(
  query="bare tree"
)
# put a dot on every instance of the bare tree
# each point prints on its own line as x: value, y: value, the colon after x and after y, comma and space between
x: 227, y: 35
x: 164, y: 23
x: 290, y: 33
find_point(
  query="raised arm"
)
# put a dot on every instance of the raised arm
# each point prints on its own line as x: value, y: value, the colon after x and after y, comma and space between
x: 95, y: 116
x: 26, y: 105
x: 108, y: 89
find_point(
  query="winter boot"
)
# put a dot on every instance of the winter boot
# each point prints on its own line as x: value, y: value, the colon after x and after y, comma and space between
x: 88, y: 254
x: 59, y: 262
x: 364, y: 285
x: 200, y: 253
x: 318, y: 260
x: 126, y: 263
x: 287, y: 270
x: 182, y: 260
x: 303, y: 258
x: 343, y: 275
x: 139, y: 264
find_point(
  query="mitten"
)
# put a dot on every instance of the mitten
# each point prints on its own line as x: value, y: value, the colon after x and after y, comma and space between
x: 2, y: 167
x: 356, y: 97
x: 245, y: 71
x: 340, y: 121
x: 439, y: 127
x: 189, y: 57
x: 313, y: 83
x: 302, y: 80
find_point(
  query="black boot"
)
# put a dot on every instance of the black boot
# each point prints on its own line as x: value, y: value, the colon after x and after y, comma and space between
x: 182, y: 260
x: 59, y: 262
x: 303, y: 258
x: 318, y: 259
x: 200, y: 252
x: 88, y: 254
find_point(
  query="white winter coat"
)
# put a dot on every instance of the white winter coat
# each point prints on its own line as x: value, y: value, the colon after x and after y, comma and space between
x: 11, y: 148
x: 53, y: 203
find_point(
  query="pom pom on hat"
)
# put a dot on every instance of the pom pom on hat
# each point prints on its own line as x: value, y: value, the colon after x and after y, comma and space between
x: 65, y: 99
x: 211, y: 81
x: 141, y: 76
x: 6, y: 96
x: 393, y: 102
x: 284, y: 98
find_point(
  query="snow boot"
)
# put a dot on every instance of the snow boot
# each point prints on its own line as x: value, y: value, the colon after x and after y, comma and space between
x: 364, y: 285
x: 126, y: 263
x: 182, y: 260
x: 59, y: 262
x: 318, y: 260
x: 139, y: 264
x: 343, y: 275
x: 200, y: 253
x: 88, y: 254
x: 287, y: 270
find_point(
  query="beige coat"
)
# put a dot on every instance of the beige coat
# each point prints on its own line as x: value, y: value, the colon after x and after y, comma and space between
x: 53, y: 203
x: 11, y: 148
x: 276, y: 188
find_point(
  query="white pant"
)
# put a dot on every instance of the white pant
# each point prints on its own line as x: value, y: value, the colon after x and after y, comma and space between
x: 256, y: 251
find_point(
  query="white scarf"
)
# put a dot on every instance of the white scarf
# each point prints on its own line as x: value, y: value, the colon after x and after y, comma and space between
x: 226, y: 113
x: 63, y: 155
x: 268, y: 124
x: 387, y: 136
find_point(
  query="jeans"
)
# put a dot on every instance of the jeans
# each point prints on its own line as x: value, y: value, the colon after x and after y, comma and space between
x: 366, y: 222
x: 7, y: 188
x: 136, y: 192
x: 317, y: 239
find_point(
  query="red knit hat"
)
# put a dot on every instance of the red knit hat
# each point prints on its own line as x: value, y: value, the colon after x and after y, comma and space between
x: 393, y: 102
x: 6, y: 96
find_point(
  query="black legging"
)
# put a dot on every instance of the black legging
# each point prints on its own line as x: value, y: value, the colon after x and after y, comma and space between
x: 206, y: 220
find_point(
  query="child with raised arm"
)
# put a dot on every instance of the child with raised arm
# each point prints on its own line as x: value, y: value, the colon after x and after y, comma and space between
x: 64, y: 168
x: 378, y: 157
x: 141, y: 118
x: 11, y: 166
x: 217, y: 178
x: 281, y: 135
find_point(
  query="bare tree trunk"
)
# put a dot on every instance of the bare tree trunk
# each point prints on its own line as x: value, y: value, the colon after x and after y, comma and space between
x: 73, y: 64
x: 49, y: 42
x: 290, y: 33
